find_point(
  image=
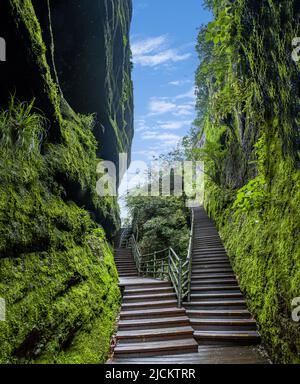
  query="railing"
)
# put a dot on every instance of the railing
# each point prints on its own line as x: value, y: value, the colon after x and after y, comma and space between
x: 125, y: 233
x: 166, y: 265
x: 131, y: 243
x: 187, y: 266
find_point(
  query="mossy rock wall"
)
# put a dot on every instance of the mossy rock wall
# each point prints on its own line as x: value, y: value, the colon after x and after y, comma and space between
x: 93, y: 62
x: 57, y: 272
x: 248, y: 102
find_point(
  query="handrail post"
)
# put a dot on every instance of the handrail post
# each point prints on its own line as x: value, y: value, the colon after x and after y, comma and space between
x: 190, y: 256
x: 169, y: 263
x: 179, y: 283
x: 154, y: 266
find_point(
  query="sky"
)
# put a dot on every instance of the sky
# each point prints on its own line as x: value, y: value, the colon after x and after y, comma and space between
x: 163, y: 39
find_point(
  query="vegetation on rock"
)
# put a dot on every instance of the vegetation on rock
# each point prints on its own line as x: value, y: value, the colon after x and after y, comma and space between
x: 248, y: 118
x: 57, y: 272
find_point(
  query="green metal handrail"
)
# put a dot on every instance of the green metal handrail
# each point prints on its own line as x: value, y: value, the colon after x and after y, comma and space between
x: 166, y: 265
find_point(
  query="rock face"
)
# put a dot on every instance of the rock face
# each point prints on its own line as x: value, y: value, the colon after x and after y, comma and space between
x: 92, y: 56
x: 88, y: 52
x: 57, y: 273
x: 249, y: 114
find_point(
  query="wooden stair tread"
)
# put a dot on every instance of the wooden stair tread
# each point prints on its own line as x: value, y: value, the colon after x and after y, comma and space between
x: 216, y: 303
x: 196, y: 296
x: 143, y: 291
x: 227, y: 334
x: 145, y: 297
x: 145, y: 282
x: 137, y: 333
x: 153, y: 311
x: 160, y: 346
x: 215, y: 287
x: 212, y: 276
x: 223, y: 321
x: 150, y: 303
x: 218, y: 312
x: 154, y: 321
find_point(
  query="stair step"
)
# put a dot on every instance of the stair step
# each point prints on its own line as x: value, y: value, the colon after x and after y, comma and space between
x: 145, y: 283
x: 211, y: 270
x: 127, y: 273
x: 212, y: 276
x: 223, y: 324
x: 150, y: 304
x: 142, y: 335
x: 210, y: 296
x: 157, y: 296
x: 216, y: 337
x: 218, y: 313
x: 154, y: 323
x: 198, y: 250
x: 140, y: 292
x: 218, y: 304
x: 211, y: 263
x: 152, y: 313
x: 157, y: 348
x: 214, y: 282
x: 208, y: 258
x: 215, y: 288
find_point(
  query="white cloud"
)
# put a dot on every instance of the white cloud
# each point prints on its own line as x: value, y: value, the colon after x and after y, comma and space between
x: 168, y: 139
x: 160, y: 58
x: 191, y: 94
x: 149, y: 154
x: 174, y: 125
x: 146, y: 46
x: 159, y: 106
x: 178, y: 83
x: 155, y: 51
x: 180, y: 105
x: 184, y: 110
x: 141, y: 125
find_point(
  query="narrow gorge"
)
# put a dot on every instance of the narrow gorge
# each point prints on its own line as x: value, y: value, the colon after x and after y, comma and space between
x: 181, y: 276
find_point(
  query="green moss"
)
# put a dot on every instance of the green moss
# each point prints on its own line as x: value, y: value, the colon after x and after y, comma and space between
x: 57, y: 272
x: 29, y: 28
x: 248, y: 106
x: 120, y: 87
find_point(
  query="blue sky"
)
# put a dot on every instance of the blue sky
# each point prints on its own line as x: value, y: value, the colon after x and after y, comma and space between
x: 163, y: 39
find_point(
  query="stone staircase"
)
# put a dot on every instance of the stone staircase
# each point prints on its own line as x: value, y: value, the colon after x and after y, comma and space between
x: 151, y: 327
x: 217, y: 309
x: 150, y: 322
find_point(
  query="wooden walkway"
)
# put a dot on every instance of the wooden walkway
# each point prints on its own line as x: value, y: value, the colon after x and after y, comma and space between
x: 153, y: 330
x: 150, y: 322
x: 217, y: 308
